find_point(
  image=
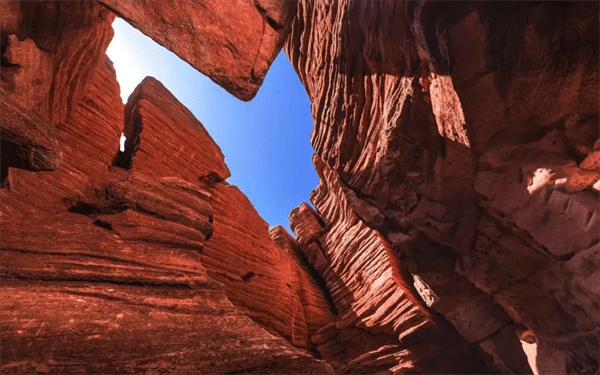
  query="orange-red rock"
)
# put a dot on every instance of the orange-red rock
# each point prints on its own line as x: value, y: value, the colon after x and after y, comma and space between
x: 381, y: 322
x: 459, y: 132
x: 173, y: 142
x: 44, y: 74
x: 164, y: 139
x: 254, y: 270
x: 50, y: 50
x: 455, y: 226
x: 232, y: 42
x: 98, y: 117
x: 104, y: 273
x: 28, y: 139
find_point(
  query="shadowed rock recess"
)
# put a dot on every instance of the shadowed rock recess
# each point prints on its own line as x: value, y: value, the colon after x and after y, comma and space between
x: 455, y: 227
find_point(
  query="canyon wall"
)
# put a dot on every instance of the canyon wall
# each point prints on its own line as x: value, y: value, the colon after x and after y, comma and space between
x: 454, y: 229
x: 466, y: 135
x: 141, y: 260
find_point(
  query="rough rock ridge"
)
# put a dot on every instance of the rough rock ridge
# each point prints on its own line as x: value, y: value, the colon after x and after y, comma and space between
x: 466, y: 134
x: 102, y: 258
x: 107, y: 274
x: 382, y: 324
x: 207, y: 35
x: 455, y: 226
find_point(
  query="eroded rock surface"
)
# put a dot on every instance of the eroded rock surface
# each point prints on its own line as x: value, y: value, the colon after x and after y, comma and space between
x: 44, y: 67
x: 240, y: 253
x: 102, y: 266
x: 382, y: 324
x: 44, y: 74
x: 169, y: 129
x: 232, y: 42
x: 28, y: 140
x: 87, y: 140
x: 465, y: 135
x: 455, y: 227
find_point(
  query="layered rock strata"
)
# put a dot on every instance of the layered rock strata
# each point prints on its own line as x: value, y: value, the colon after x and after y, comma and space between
x: 455, y: 226
x: 44, y: 74
x: 240, y: 254
x: 383, y: 325
x: 102, y: 266
x: 466, y: 135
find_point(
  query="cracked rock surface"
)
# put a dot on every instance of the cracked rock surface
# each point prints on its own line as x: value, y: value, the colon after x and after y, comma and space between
x: 455, y: 227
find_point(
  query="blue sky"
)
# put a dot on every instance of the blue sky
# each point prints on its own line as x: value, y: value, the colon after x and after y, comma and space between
x: 265, y: 141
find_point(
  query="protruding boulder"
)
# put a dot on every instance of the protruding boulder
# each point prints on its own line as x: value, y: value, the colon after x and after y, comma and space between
x: 232, y: 42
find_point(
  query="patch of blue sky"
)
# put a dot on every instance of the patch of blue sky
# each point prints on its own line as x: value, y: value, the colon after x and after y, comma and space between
x: 265, y: 141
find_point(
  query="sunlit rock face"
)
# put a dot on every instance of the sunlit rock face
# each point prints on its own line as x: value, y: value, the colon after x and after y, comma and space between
x: 232, y: 42
x: 44, y: 74
x: 466, y: 135
x: 112, y: 262
x: 103, y: 267
x: 455, y: 226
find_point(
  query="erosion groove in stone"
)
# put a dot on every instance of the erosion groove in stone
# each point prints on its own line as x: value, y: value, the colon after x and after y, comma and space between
x: 465, y: 135
x: 455, y: 227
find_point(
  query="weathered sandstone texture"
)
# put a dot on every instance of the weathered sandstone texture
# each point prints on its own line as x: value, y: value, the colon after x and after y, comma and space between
x: 44, y: 74
x: 465, y: 134
x: 233, y: 42
x: 106, y: 275
x: 455, y: 227
x: 103, y: 258
x: 382, y: 324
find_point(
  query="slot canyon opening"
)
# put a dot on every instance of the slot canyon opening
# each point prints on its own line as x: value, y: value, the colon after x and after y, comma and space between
x: 266, y: 141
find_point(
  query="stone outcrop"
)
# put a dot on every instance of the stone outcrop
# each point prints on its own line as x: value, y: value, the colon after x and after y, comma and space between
x: 169, y: 129
x: 97, y: 117
x: 383, y: 326
x: 102, y: 258
x: 123, y: 254
x: 465, y: 134
x: 232, y: 42
x: 44, y: 67
x: 44, y: 74
x: 455, y: 227
x: 28, y: 140
x: 240, y: 253
x: 253, y: 269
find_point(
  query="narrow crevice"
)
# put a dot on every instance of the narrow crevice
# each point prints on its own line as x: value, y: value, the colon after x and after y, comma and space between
x: 5, y: 182
x: 272, y: 23
x: 170, y: 244
x: 316, y: 276
x: 99, y: 280
x: 112, y: 208
x: 225, y: 276
x: 84, y: 255
x: 103, y: 224
x: 210, y: 179
x: 5, y: 63
x: 263, y: 12
x: 124, y: 159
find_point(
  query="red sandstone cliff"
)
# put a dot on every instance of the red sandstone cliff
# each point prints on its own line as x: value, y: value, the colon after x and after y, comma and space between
x: 466, y: 135
x: 455, y: 226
